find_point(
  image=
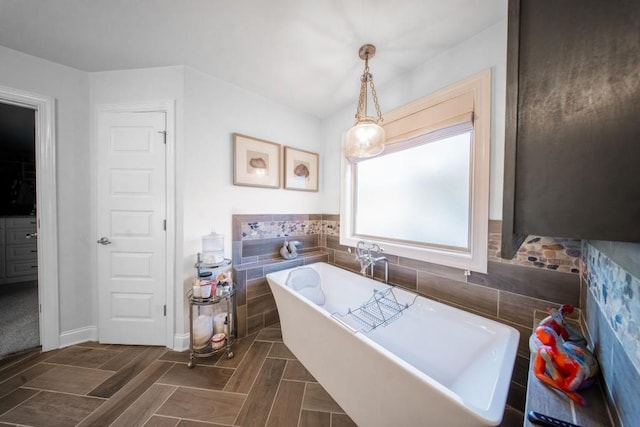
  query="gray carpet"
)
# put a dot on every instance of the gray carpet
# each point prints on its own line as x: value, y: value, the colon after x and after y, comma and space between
x: 19, y: 329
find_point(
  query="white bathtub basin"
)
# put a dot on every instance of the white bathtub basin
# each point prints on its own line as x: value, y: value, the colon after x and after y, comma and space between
x: 433, y: 366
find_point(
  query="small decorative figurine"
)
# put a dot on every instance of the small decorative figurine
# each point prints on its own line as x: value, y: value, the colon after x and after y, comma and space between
x: 289, y: 250
x: 561, y: 358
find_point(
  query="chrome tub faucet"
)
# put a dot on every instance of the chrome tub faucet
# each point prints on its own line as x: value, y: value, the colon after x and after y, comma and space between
x: 368, y: 261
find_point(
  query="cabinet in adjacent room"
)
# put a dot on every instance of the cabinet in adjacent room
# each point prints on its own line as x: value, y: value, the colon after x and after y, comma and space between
x: 572, y: 142
x: 18, y: 249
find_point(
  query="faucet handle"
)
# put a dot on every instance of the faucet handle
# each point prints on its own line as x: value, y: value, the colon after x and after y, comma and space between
x: 374, y: 247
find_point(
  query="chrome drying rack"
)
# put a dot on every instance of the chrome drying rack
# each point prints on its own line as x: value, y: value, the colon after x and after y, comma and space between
x: 379, y: 310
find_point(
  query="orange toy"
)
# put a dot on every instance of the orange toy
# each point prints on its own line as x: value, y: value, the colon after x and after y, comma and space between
x: 563, y: 365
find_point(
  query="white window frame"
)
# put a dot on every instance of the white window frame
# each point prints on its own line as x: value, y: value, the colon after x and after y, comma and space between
x: 438, y: 111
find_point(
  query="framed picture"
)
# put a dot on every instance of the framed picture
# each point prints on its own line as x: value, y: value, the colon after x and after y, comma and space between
x: 256, y: 162
x: 300, y: 170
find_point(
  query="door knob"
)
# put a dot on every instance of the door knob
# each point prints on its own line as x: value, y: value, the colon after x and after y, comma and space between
x: 104, y: 241
x: 31, y: 235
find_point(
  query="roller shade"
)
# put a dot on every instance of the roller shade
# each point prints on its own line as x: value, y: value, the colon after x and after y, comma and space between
x: 434, y: 132
x: 421, y: 120
x: 461, y: 124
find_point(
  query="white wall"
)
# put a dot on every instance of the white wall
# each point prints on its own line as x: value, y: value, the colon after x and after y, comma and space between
x: 208, y: 111
x: 70, y: 88
x: 214, y: 110
x: 484, y: 50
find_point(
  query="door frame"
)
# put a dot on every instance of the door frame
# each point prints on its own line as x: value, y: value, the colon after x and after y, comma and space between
x: 162, y: 106
x: 46, y: 199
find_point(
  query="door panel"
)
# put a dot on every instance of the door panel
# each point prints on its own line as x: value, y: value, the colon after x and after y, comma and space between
x: 131, y: 199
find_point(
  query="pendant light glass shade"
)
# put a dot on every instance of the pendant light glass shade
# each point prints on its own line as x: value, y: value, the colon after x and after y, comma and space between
x: 366, y: 138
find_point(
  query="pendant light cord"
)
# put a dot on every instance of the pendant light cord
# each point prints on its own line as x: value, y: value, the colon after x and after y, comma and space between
x: 361, y: 112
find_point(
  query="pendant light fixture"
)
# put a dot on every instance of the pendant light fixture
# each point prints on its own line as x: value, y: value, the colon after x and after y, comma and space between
x: 366, y: 138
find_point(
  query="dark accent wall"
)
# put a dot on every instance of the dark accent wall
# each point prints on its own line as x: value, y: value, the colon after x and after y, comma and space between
x: 571, y: 137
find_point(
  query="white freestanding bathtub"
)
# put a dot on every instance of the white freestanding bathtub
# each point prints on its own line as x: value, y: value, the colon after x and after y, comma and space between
x: 433, y: 366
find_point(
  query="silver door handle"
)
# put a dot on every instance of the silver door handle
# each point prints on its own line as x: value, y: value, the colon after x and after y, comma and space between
x: 31, y: 235
x: 104, y: 241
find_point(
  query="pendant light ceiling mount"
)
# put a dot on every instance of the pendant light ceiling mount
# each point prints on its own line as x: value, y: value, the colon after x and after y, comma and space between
x: 366, y: 138
x: 367, y: 51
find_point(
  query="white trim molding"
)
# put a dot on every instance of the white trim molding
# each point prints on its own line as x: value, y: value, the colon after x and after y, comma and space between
x: 77, y: 336
x: 46, y: 199
x: 181, y: 342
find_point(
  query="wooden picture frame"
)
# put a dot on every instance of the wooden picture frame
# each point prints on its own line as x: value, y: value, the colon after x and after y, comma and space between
x: 256, y: 162
x: 301, y: 171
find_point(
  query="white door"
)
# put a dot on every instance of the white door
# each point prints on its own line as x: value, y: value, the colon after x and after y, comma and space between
x: 131, y: 205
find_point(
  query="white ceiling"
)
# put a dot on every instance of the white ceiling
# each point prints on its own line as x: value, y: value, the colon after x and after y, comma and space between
x: 301, y: 53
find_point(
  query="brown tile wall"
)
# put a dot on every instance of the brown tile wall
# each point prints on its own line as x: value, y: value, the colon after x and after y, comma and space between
x: 509, y: 292
x: 253, y: 259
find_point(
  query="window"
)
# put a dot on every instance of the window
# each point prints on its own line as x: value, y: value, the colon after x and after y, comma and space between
x: 426, y: 196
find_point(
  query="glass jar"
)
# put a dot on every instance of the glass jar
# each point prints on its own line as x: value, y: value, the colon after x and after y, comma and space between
x: 212, y: 248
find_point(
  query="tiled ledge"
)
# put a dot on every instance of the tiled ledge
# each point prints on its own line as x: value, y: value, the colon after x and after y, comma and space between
x: 256, y: 307
x: 275, y: 264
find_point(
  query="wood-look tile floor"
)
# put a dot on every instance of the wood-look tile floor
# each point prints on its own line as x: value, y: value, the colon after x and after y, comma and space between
x: 113, y: 385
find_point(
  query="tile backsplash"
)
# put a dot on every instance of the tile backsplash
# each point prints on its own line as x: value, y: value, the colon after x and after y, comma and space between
x: 288, y: 227
x: 612, y: 287
x: 617, y: 293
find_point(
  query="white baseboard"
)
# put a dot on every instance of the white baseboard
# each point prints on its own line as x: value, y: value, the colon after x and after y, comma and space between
x: 77, y: 336
x: 181, y: 342
x: 90, y: 333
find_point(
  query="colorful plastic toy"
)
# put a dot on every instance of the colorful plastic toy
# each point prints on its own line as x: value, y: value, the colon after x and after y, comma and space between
x: 556, y: 321
x: 561, y: 358
x: 563, y: 365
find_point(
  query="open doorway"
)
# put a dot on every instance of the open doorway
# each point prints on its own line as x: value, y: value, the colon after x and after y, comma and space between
x: 19, y: 307
x: 43, y: 227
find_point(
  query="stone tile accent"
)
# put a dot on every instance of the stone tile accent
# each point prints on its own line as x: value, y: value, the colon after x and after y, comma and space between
x: 617, y: 294
x: 612, y: 316
x: 541, y: 252
x: 269, y: 229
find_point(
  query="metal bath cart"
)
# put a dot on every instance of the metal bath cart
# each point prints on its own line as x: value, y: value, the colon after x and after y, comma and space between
x: 197, y: 305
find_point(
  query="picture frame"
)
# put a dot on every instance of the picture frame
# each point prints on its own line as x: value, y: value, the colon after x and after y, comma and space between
x: 256, y: 162
x: 301, y: 171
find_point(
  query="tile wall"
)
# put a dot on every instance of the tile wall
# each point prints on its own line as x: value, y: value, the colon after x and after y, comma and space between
x: 611, y: 282
x: 256, y: 243
x: 543, y: 274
